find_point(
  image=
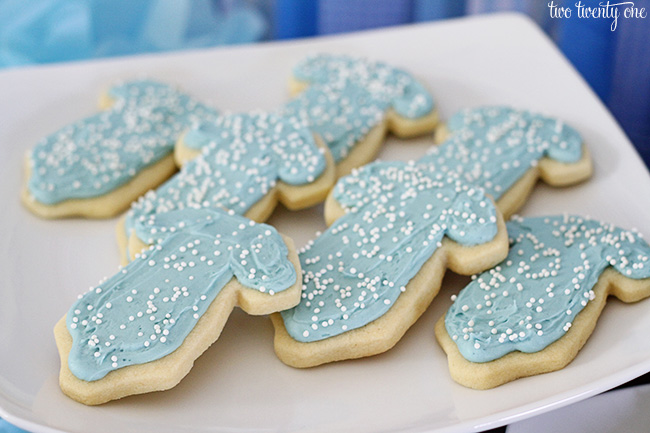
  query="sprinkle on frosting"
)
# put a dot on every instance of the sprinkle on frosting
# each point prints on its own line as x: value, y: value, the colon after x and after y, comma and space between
x: 148, y: 308
x: 349, y: 96
x: 341, y: 114
x: 532, y: 298
x: 397, y: 216
x: 243, y: 157
x: 493, y: 147
x: 95, y: 155
x: 401, y: 91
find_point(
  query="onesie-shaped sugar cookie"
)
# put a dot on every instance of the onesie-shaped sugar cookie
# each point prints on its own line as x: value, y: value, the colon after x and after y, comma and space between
x: 249, y: 162
x: 376, y: 269
x: 532, y: 313
x: 97, y: 166
x: 505, y: 151
x: 142, y: 329
x: 351, y: 103
x: 411, y: 107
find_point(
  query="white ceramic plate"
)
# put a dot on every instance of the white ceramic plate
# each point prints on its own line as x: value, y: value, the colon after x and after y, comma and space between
x: 238, y: 384
x: 622, y: 410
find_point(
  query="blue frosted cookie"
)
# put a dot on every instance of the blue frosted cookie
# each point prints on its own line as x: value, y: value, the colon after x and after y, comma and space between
x: 533, y: 312
x: 95, y: 167
x: 375, y: 270
x: 141, y: 329
x: 351, y: 103
x: 506, y: 150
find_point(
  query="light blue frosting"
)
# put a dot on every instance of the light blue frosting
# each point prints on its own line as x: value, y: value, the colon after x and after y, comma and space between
x: 243, y: 157
x: 493, y: 147
x: 399, y: 88
x: 531, y: 299
x: 285, y: 141
x: 148, y: 308
x: 340, y: 114
x: 347, y: 97
x: 95, y: 155
x: 397, y: 216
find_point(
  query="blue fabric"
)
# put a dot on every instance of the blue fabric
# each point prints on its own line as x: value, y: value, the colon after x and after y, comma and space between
x: 295, y: 18
x: 43, y: 31
x: 336, y: 16
x: 428, y: 10
x: 590, y: 46
x: 629, y: 97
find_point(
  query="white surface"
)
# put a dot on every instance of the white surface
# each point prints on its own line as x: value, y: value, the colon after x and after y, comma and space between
x: 624, y: 410
x: 238, y: 384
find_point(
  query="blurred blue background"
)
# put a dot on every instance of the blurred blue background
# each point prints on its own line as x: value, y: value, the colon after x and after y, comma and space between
x: 615, y: 63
